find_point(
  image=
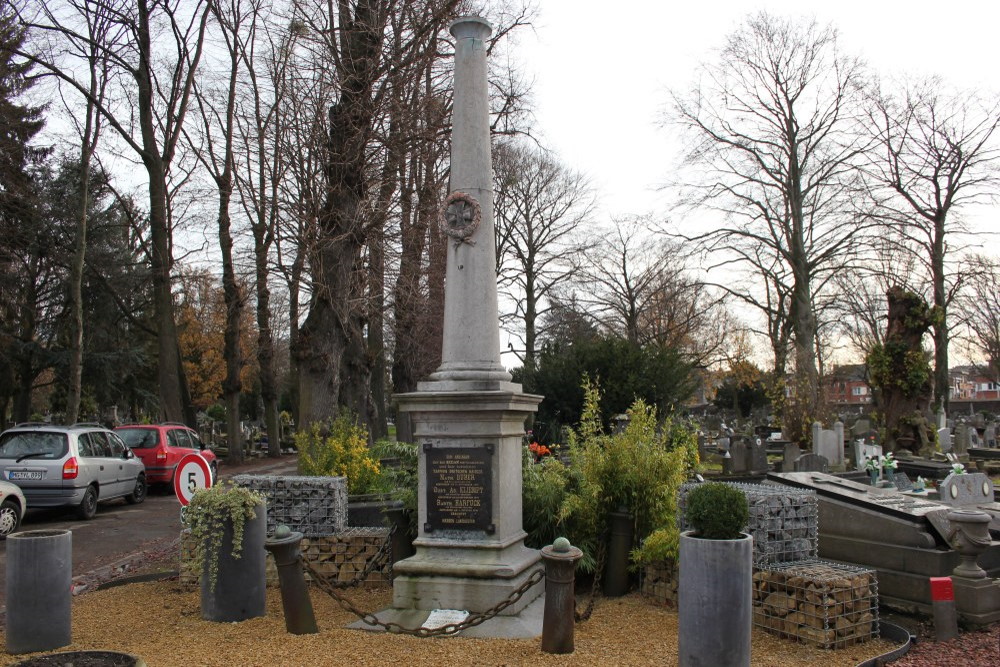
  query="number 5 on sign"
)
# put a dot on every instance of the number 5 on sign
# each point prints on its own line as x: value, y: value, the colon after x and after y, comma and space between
x: 191, y: 474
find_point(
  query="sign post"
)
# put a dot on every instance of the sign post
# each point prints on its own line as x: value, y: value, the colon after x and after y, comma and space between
x: 191, y: 474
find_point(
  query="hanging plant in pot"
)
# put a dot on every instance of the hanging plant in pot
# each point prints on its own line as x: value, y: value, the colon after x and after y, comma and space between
x: 228, y: 525
x: 716, y: 578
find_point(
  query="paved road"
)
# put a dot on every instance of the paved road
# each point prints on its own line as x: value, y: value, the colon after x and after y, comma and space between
x: 120, y: 529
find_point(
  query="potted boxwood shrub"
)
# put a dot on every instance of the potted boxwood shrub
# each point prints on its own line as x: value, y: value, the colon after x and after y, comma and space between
x: 715, y: 604
x: 228, y: 525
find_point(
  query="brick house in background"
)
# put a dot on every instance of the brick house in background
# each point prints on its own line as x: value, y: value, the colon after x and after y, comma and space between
x: 846, y: 386
x: 973, y: 383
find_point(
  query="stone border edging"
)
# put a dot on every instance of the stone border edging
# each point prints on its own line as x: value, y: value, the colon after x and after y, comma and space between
x: 894, y: 633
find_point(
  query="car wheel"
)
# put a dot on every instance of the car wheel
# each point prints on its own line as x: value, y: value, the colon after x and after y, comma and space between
x: 214, y: 468
x: 88, y: 506
x: 10, y: 518
x: 139, y: 492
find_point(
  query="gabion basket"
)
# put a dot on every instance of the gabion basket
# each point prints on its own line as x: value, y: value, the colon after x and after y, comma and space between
x: 313, y: 506
x: 825, y: 604
x: 783, y: 521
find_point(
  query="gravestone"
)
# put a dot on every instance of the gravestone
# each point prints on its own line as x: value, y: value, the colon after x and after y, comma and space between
x: 740, y: 456
x: 945, y: 439
x: 812, y: 463
x: 960, y: 445
x: 902, y: 481
x: 789, y: 456
x: 863, y: 451
x: 860, y: 428
x: 942, y: 418
x: 966, y: 489
x: 829, y: 443
x: 723, y: 443
x: 990, y: 436
x: 468, y: 417
x: 758, y: 456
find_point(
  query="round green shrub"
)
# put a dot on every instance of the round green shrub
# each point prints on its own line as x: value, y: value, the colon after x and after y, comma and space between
x: 717, y: 511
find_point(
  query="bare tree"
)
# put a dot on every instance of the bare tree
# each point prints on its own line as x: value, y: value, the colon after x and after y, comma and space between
x: 770, y: 128
x: 541, y: 208
x: 153, y: 50
x: 980, y: 305
x: 937, y: 151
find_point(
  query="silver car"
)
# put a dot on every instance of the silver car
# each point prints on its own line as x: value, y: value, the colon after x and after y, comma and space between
x: 74, y: 466
x: 12, y: 506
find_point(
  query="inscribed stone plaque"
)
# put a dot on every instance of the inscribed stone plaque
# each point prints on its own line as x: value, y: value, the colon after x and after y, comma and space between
x: 459, y: 488
x: 902, y: 481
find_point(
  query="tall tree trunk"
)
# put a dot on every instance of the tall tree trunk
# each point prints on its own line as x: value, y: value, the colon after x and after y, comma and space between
x: 75, y: 378
x: 942, y: 381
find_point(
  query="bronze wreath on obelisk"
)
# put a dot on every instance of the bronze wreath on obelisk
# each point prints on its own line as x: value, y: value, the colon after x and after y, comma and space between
x: 461, y: 216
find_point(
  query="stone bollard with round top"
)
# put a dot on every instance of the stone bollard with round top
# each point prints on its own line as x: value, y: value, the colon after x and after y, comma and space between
x: 295, y: 602
x: 560, y: 597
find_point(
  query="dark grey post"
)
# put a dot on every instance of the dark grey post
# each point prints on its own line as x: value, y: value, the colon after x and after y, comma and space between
x: 615, y: 581
x: 39, y: 599
x: 240, y: 589
x: 299, y: 616
x: 560, y: 596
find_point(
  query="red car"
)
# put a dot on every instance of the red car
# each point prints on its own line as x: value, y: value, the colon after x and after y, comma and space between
x: 161, y: 446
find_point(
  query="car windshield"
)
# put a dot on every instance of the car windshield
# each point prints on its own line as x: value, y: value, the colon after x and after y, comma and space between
x: 38, y: 445
x: 137, y: 438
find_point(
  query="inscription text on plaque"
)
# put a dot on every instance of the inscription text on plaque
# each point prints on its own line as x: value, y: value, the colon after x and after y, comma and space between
x: 459, y: 488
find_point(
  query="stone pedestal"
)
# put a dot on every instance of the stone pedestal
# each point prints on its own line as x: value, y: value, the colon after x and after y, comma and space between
x: 475, y: 566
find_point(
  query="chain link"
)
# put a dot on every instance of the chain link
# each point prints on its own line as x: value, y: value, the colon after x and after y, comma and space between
x: 584, y: 616
x: 473, y: 620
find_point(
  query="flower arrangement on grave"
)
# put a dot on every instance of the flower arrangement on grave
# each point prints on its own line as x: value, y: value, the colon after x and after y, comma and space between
x: 889, y: 463
x: 873, y: 466
x: 958, y: 468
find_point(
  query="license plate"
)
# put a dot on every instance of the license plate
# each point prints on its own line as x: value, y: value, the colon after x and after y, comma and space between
x: 25, y: 474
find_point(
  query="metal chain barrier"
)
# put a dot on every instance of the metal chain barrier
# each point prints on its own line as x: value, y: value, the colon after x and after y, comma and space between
x: 602, y: 547
x: 473, y: 620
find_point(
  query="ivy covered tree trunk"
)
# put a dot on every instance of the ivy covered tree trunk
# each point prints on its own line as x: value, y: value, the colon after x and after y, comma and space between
x: 900, y: 374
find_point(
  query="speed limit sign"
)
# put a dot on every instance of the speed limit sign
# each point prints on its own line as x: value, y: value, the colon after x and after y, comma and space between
x: 191, y: 474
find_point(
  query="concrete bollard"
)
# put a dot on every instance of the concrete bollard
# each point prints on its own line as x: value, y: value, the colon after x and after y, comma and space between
x: 239, y: 592
x: 295, y: 602
x: 39, y: 599
x: 943, y: 604
x: 558, y: 621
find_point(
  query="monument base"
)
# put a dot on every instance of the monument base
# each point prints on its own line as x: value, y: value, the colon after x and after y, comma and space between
x: 527, y: 624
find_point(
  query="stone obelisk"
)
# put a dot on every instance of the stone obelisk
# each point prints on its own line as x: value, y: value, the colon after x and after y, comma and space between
x: 468, y: 417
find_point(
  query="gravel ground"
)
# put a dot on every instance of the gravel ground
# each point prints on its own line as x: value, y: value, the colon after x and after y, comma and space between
x: 161, y: 622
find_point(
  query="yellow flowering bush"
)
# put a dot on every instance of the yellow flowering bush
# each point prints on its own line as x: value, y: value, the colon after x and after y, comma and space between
x: 339, y: 448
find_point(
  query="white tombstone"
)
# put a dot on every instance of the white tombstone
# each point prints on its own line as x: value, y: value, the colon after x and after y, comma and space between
x: 829, y: 444
x: 944, y: 438
x: 863, y: 451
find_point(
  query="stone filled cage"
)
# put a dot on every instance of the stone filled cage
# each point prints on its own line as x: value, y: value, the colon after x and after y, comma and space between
x: 784, y: 521
x: 313, y: 506
x: 821, y: 603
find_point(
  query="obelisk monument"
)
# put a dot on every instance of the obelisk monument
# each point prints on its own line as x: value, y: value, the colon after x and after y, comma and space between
x: 468, y: 417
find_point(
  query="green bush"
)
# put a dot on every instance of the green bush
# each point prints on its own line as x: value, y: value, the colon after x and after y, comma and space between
x: 717, y: 511
x: 640, y: 469
x: 339, y: 448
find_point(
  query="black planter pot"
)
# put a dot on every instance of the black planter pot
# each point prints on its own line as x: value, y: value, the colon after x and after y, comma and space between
x: 369, y: 509
x: 240, y: 588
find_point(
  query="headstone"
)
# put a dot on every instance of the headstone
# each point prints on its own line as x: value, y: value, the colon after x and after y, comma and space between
x: 944, y: 438
x: 861, y: 428
x: 703, y: 452
x: 789, y: 456
x: 758, y: 456
x: 863, y: 451
x: 960, y: 445
x: 829, y: 443
x: 723, y: 444
x: 902, y: 481
x: 942, y: 419
x: 990, y: 436
x: 740, y: 459
x: 812, y: 463
x: 959, y: 490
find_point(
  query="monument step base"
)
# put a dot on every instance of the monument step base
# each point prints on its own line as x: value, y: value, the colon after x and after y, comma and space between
x: 425, y: 593
x: 524, y: 625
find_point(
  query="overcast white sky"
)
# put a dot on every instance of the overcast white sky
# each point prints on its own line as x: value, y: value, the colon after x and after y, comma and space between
x: 602, y: 70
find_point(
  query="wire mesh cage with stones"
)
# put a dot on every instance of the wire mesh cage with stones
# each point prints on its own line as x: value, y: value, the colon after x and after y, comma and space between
x: 313, y: 506
x: 821, y: 603
x: 784, y: 521
x: 345, y: 556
